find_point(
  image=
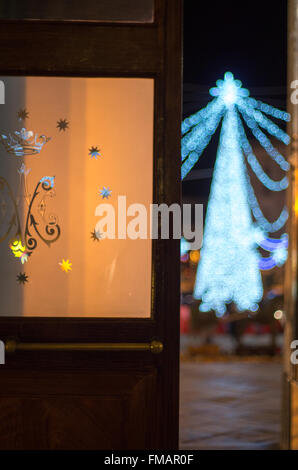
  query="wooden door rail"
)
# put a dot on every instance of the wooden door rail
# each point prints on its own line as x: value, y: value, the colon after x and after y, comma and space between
x: 12, y: 346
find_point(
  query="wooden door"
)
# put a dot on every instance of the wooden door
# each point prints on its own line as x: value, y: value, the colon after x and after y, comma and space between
x: 90, y: 375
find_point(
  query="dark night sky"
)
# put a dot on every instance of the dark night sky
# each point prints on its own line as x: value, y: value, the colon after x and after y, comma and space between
x: 247, y: 38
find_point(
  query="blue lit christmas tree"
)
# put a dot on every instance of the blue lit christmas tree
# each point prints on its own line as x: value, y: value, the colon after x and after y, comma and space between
x: 230, y: 263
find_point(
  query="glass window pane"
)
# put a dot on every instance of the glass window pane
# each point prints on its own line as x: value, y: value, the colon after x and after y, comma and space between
x: 54, y: 261
x: 89, y: 10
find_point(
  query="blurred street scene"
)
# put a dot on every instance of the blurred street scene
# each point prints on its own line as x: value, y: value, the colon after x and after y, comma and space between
x: 230, y: 405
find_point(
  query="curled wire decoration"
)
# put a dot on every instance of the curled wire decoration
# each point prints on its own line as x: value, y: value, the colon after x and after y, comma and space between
x: 39, y: 224
x: 51, y: 228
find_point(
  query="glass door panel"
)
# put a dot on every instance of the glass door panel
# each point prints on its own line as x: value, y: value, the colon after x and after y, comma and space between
x: 68, y: 147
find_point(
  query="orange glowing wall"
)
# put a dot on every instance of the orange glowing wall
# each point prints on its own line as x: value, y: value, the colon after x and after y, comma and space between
x: 109, y: 278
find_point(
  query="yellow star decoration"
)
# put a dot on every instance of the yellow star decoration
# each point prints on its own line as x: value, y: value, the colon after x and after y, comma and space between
x: 66, y: 265
x: 17, y: 247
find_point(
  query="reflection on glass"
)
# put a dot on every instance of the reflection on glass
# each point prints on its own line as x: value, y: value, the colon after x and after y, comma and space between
x: 69, y: 147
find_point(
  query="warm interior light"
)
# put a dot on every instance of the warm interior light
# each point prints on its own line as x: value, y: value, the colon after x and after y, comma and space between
x: 278, y: 314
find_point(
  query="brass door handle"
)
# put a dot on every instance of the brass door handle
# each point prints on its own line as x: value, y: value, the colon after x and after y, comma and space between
x: 12, y: 346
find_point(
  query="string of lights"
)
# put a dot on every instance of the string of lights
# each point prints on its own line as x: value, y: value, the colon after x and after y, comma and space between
x: 257, y: 167
x: 264, y: 122
x: 266, y: 108
x: 278, y: 249
x: 270, y: 227
x: 265, y: 142
x: 195, y: 142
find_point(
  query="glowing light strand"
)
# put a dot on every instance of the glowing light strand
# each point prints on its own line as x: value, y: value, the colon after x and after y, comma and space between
x: 199, y: 136
x: 211, y: 108
x: 194, y: 142
x: 278, y: 249
x: 270, y: 110
x: 271, y: 244
x: 204, y: 139
x: 270, y: 227
x: 256, y: 166
x: 264, y: 122
x: 265, y: 142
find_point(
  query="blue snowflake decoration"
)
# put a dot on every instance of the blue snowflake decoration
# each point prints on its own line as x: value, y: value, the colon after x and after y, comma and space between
x: 94, y: 152
x: 48, y: 181
x: 105, y: 193
x: 230, y: 263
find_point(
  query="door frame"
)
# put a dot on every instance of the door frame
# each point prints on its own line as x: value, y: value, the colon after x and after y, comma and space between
x: 94, y: 49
